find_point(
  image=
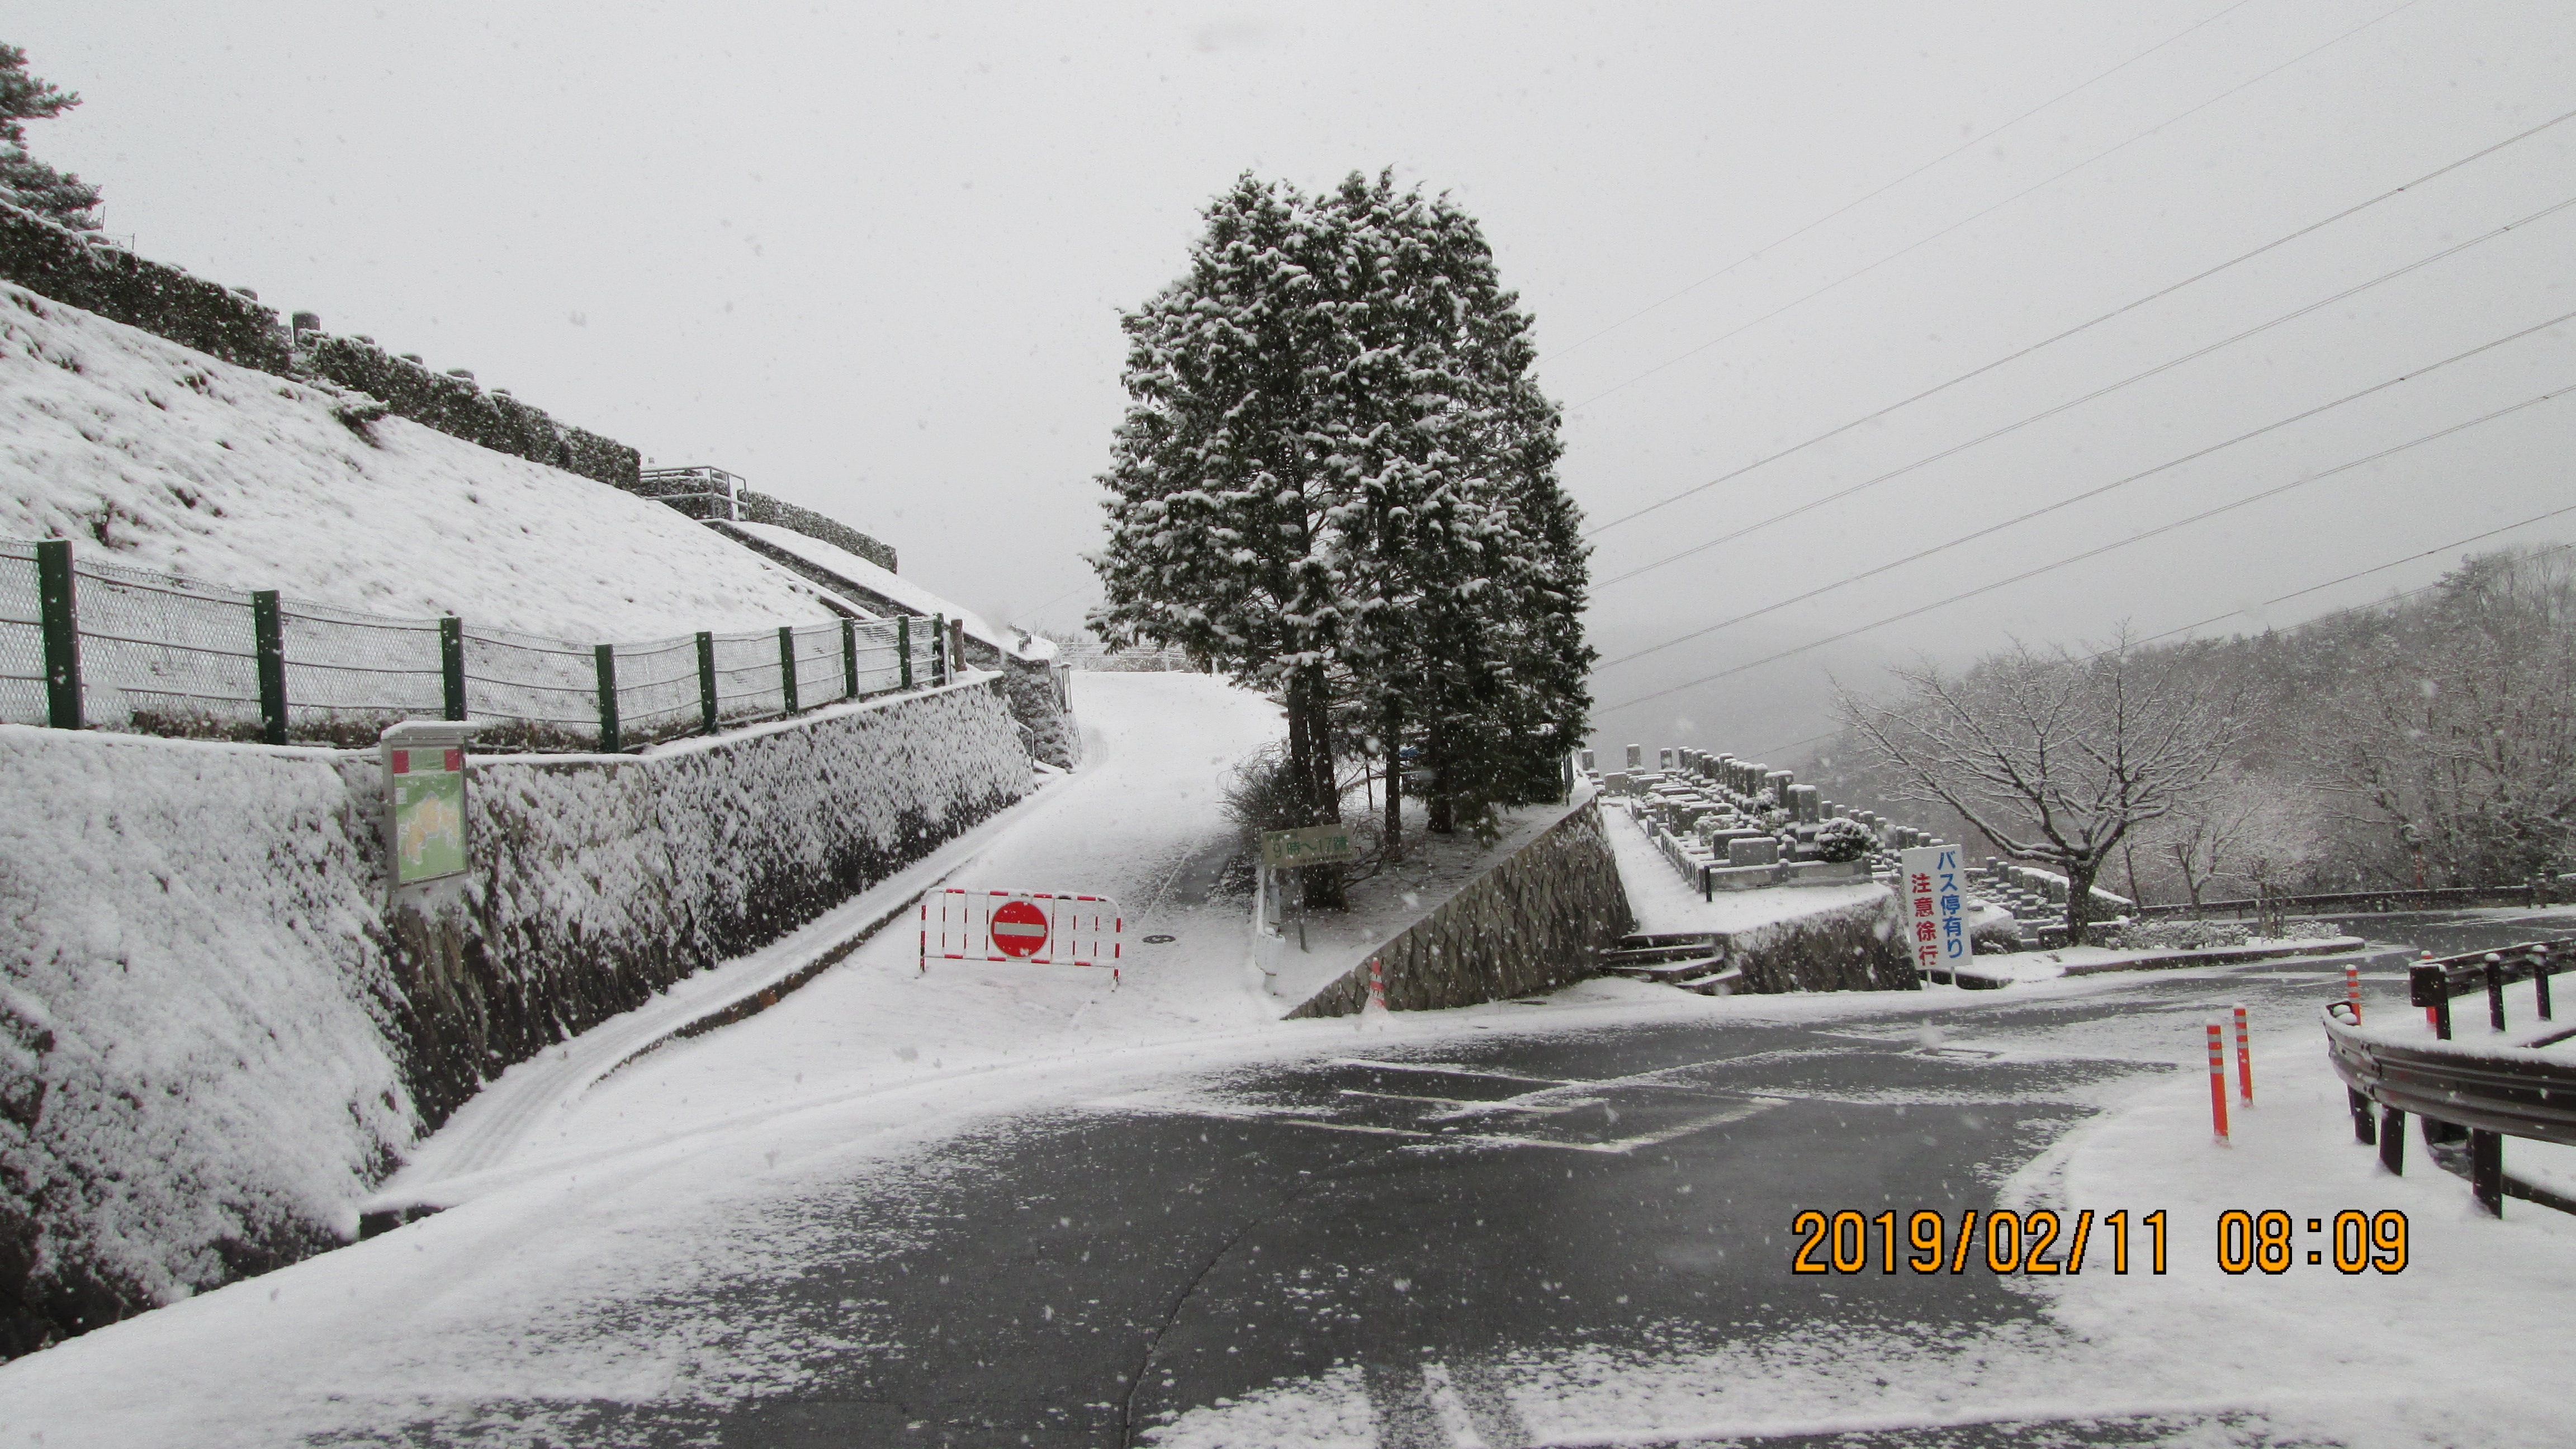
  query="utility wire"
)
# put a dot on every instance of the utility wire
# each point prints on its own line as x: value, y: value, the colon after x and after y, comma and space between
x: 2302, y: 594
x: 2074, y: 498
x: 2115, y: 312
x: 1969, y: 144
x: 2397, y: 598
x: 2376, y: 568
x: 2100, y: 392
x: 2092, y: 553
x: 1991, y: 210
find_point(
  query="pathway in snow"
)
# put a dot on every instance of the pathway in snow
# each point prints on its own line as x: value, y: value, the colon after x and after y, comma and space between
x: 1139, y: 822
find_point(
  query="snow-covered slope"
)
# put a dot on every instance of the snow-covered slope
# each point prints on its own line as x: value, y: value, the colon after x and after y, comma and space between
x: 906, y: 593
x: 146, y: 453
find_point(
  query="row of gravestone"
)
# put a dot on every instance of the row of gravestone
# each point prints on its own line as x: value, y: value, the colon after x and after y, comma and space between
x: 1730, y: 824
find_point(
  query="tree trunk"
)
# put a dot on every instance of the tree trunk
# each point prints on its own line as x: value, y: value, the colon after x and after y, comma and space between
x: 1322, y: 787
x: 2079, y: 898
x: 1394, y: 737
x: 1443, y: 815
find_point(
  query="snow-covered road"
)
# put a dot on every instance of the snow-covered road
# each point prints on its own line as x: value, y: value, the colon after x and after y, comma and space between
x: 996, y: 1201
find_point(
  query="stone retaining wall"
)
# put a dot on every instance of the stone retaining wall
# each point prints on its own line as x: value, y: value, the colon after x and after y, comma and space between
x: 215, y: 1037
x: 1535, y: 921
x: 1838, y: 948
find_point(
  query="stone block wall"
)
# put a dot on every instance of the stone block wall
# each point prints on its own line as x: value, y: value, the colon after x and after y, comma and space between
x: 1538, y: 919
x: 216, y: 1037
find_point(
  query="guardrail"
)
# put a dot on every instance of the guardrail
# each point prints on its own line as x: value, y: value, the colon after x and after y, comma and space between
x: 2371, y: 902
x: 2510, y: 1087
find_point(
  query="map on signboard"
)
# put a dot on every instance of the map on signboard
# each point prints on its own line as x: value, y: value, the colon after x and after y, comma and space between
x: 429, y: 814
x: 1311, y: 845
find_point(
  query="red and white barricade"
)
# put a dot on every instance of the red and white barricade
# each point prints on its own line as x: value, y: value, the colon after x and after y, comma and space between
x: 1043, y: 928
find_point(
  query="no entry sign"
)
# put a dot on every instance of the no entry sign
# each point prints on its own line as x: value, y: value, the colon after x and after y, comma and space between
x: 1019, y: 928
x: 1042, y: 928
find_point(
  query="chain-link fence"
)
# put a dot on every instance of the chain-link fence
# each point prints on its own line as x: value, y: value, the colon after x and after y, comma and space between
x: 97, y: 645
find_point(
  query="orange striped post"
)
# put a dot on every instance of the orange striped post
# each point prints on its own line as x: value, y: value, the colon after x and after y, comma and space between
x: 2217, y: 1084
x: 1377, y: 983
x: 2244, y: 1061
x: 2352, y: 989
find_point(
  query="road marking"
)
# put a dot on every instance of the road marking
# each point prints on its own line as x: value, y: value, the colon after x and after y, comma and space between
x: 1438, y: 1070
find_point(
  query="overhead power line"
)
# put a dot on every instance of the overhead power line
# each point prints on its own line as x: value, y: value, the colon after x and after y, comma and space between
x: 2074, y: 498
x: 1991, y: 210
x: 2377, y: 568
x: 2100, y: 392
x: 1970, y: 144
x: 2156, y: 296
x: 2093, y: 553
x: 2397, y: 598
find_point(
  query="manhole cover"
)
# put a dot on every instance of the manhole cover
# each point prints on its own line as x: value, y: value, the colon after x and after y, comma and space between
x: 1156, y: 939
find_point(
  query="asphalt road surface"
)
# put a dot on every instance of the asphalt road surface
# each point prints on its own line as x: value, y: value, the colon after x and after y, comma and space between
x: 1084, y: 1275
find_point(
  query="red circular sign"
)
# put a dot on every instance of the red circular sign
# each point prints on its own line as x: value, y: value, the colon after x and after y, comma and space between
x: 1019, y: 929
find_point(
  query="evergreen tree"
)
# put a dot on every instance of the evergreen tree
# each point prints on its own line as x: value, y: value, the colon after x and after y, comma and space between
x: 1336, y: 480
x: 25, y: 180
x: 1222, y: 499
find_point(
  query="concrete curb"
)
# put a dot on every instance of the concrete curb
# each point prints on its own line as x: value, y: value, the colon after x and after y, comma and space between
x: 2174, y: 960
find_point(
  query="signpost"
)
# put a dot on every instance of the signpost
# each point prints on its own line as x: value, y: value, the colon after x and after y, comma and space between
x: 424, y: 763
x: 1935, y: 902
x: 1296, y: 850
x: 1311, y: 845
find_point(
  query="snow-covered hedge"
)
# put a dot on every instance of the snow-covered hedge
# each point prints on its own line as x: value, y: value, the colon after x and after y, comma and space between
x: 457, y: 407
x: 213, y: 1040
x: 67, y: 266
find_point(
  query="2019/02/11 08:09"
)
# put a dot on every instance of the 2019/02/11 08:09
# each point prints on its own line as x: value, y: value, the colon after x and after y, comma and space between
x: 2003, y: 1241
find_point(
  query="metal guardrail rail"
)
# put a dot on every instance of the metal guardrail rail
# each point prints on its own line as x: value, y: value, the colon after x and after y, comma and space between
x: 2369, y: 902
x: 2511, y: 1087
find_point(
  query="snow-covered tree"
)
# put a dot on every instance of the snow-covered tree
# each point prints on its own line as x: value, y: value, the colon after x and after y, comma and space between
x: 2053, y: 757
x: 2453, y: 735
x: 1336, y: 481
x: 24, y: 180
x: 1223, y: 501
x: 1466, y: 561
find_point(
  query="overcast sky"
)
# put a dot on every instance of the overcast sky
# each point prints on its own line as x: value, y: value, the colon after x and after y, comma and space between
x: 872, y: 258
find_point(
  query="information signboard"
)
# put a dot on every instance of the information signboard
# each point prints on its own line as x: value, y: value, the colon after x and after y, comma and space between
x: 1310, y: 845
x: 1935, y: 902
x: 424, y: 764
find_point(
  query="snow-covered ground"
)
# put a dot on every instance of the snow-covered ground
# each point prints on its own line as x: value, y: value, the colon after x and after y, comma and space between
x: 1665, y: 904
x: 587, y: 1226
x: 147, y: 454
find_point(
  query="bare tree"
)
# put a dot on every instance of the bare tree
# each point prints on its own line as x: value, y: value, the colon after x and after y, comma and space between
x: 2243, y: 827
x: 2453, y: 738
x: 2053, y: 757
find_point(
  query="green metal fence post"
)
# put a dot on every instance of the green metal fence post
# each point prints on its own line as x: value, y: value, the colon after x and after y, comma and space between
x: 939, y: 648
x: 903, y: 648
x: 451, y: 663
x: 62, y: 633
x: 606, y: 657
x: 707, y: 678
x: 787, y: 666
x: 268, y: 648
x: 849, y: 658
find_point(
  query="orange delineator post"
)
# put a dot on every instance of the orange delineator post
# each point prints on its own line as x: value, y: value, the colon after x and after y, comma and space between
x: 1377, y: 983
x: 2217, y: 1083
x: 2244, y: 1061
x: 2352, y: 990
